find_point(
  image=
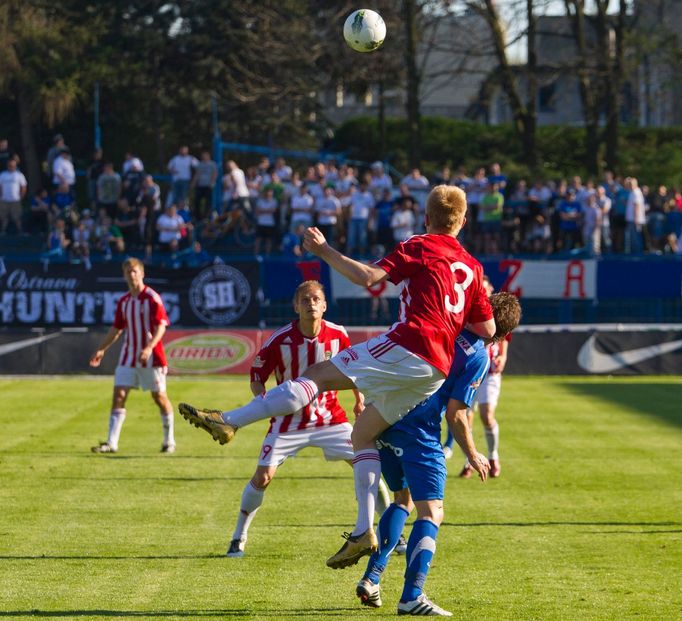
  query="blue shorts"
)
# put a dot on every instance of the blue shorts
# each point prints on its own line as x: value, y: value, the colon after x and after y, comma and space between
x: 416, y: 465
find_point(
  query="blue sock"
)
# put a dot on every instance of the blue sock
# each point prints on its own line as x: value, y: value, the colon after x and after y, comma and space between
x: 390, y: 528
x: 421, y: 546
x: 450, y: 440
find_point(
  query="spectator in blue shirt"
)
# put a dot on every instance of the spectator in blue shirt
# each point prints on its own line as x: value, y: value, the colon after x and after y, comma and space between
x: 569, y: 210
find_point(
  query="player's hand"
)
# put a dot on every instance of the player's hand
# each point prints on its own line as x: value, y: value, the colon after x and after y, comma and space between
x: 499, y: 362
x: 314, y: 241
x: 481, y: 465
x: 359, y: 406
x: 96, y: 358
x: 144, y: 354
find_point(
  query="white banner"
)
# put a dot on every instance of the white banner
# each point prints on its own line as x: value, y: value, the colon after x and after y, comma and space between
x: 551, y: 280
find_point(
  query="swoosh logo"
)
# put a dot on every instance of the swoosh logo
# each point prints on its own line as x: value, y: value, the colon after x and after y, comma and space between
x: 8, y: 348
x: 595, y: 361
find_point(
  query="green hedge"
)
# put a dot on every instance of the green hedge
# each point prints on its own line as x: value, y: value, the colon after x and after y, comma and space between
x: 652, y: 155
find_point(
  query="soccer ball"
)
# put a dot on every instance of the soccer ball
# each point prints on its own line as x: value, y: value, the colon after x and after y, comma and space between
x: 364, y: 30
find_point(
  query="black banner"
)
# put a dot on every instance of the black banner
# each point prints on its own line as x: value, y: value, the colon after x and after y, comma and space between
x: 600, y: 352
x: 604, y: 351
x: 69, y: 295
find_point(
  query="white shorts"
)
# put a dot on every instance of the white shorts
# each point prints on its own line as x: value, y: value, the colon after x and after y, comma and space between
x: 392, y: 379
x: 489, y: 390
x: 146, y: 378
x: 334, y: 440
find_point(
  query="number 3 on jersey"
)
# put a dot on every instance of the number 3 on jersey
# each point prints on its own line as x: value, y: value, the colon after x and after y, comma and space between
x: 459, y: 287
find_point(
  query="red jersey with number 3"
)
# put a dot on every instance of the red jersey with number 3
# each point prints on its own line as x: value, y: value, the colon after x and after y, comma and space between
x: 139, y: 315
x: 287, y: 354
x: 442, y: 291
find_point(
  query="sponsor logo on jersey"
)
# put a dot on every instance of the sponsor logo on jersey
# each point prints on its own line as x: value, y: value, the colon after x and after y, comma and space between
x: 466, y: 346
x: 352, y: 354
x: 207, y: 352
x: 219, y: 295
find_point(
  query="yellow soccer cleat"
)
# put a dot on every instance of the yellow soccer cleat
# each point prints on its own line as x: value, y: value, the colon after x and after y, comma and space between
x: 354, y: 549
x: 210, y: 421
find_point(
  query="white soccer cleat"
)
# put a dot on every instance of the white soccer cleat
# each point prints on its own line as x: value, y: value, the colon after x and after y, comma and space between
x: 422, y: 606
x: 168, y: 448
x: 369, y: 593
x: 447, y: 451
x: 103, y: 447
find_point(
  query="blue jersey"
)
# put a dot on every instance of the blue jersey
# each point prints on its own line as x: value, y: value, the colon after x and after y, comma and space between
x: 411, y: 453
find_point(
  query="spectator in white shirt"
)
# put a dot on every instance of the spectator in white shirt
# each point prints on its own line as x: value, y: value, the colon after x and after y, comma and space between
x: 380, y: 181
x: 635, y: 217
x: 63, y: 171
x: 361, y: 209
x: 12, y: 190
x: 301, y: 209
x: 403, y: 220
x: 266, y: 221
x: 328, y: 209
x: 170, y: 226
x: 181, y: 168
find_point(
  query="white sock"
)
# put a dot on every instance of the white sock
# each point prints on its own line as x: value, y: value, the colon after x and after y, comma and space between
x: 492, y: 437
x: 284, y: 399
x: 367, y: 473
x: 168, y: 434
x: 116, y: 418
x: 252, y: 499
x: 383, y: 498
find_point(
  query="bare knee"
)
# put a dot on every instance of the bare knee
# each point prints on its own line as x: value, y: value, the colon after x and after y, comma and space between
x: 403, y: 499
x: 119, y: 397
x: 488, y: 416
x: 431, y: 510
x: 161, y: 399
x: 262, y: 477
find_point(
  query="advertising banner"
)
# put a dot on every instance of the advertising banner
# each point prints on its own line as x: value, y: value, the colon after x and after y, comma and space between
x: 606, y: 349
x: 69, y: 295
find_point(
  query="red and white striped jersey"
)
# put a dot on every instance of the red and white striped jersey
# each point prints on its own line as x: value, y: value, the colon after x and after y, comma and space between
x: 139, y: 316
x: 494, y: 352
x: 288, y: 353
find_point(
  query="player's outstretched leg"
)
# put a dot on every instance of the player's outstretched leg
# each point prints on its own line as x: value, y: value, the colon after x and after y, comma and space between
x: 354, y: 549
x: 421, y: 547
x: 281, y: 400
x: 208, y: 420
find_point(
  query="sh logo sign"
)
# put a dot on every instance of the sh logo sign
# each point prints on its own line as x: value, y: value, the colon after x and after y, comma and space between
x: 219, y: 295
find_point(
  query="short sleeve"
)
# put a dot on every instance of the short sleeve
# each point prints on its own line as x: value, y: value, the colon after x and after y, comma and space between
x: 119, y: 320
x: 159, y: 316
x: 263, y: 365
x: 480, y: 309
x: 404, y: 261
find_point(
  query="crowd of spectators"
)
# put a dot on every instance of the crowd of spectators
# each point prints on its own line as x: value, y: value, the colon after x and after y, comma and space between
x: 264, y: 209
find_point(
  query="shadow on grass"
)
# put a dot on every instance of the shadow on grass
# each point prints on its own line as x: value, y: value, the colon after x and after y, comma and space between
x: 660, y: 399
x: 281, y: 477
x: 227, y: 612
x: 536, y: 524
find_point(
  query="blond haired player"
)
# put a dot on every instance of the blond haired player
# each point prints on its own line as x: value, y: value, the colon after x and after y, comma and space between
x: 323, y: 424
x: 442, y: 291
x: 141, y: 317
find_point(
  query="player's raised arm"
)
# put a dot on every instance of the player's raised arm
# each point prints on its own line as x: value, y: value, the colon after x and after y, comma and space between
x: 359, y: 273
x: 456, y: 416
x: 108, y: 341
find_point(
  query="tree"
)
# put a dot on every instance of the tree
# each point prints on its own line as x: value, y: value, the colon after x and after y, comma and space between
x: 41, y: 50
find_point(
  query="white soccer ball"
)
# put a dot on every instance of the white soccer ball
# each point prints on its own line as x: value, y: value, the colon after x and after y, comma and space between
x: 364, y: 30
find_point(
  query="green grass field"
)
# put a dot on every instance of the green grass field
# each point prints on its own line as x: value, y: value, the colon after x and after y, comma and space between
x: 584, y: 523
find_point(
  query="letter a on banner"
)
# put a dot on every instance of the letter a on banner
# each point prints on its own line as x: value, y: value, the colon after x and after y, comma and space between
x: 575, y: 273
